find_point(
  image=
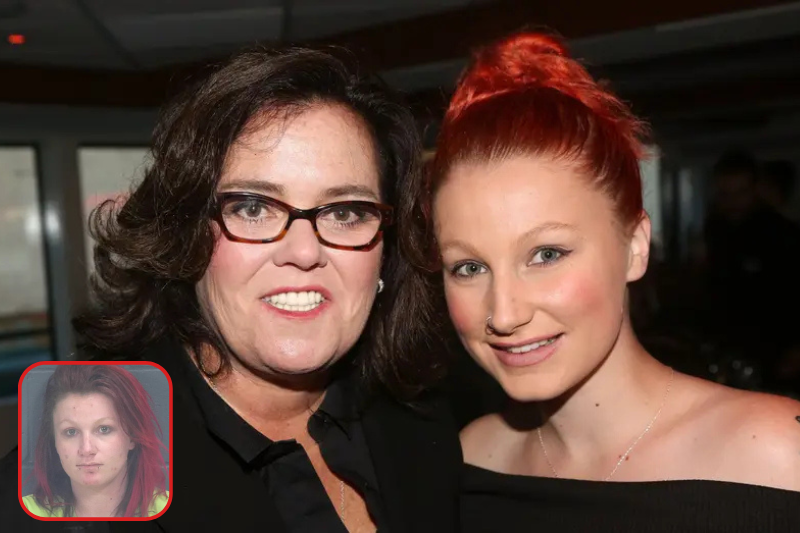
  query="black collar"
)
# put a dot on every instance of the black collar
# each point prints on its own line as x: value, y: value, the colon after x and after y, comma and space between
x: 417, y: 460
x: 339, y: 407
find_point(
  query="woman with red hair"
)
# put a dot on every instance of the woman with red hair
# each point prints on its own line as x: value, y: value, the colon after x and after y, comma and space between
x: 98, y: 453
x: 533, y: 213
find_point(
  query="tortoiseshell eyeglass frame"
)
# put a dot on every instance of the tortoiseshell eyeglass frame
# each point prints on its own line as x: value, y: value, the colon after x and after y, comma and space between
x: 385, y: 211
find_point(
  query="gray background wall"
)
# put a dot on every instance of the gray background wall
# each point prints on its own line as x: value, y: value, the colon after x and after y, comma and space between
x: 32, y: 399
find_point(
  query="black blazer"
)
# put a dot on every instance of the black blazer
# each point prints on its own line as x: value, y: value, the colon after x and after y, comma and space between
x: 416, y: 458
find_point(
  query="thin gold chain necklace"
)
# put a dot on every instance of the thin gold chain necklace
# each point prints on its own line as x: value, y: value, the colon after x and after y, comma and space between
x: 341, y: 500
x: 632, y: 446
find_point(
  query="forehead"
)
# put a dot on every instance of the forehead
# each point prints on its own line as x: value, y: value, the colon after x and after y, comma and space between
x: 84, y: 407
x: 322, y: 146
x: 520, y: 191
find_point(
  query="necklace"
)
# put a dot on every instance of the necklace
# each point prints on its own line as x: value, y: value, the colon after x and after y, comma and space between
x: 341, y: 500
x: 632, y: 446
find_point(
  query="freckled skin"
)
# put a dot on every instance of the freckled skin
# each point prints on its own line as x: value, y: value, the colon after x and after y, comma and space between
x: 88, y: 432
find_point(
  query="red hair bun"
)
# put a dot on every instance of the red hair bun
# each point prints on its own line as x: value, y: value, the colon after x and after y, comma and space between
x: 524, y: 94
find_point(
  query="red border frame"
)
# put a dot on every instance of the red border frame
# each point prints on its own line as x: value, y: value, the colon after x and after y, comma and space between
x: 19, y: 443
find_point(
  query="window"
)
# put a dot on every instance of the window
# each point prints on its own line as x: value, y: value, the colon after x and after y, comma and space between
x: 107, y: 173
x: 650, y: 169
x: 24, y: 318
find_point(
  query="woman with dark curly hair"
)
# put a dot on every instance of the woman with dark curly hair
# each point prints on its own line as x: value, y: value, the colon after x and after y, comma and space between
x: 98, y: 452
x: 256, y: 262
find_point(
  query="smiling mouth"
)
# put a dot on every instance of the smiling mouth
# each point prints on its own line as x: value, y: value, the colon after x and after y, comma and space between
x: 528, y: 347
x: 298, y: 302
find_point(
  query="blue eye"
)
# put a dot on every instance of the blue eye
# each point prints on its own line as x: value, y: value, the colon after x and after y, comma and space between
x: 105, y: 430
x: 468, y: 270
x: 545, y: 256
x: 70, y: 432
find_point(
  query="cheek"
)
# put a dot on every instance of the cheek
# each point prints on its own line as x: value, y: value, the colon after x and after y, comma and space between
x: 229, y: 261
x: 359, y: 272
x: 584, y: 293
x: 63, y: 449
x: 231, y: 265
x: 465, y: 310
x: 119, y: 447
x: 122, y: 459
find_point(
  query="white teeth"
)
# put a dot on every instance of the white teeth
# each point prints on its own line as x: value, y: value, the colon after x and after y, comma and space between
x: 296, y: 308
x: 530, y: 347
x: 296, y: 301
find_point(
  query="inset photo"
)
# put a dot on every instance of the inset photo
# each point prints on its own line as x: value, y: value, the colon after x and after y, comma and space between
x: 94, y: 440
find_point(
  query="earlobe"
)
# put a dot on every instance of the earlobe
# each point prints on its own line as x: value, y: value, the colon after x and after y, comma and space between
x: 639, y: 249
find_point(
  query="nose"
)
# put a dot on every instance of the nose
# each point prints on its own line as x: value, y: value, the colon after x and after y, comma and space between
x: 87, y: 447
x: 509, y: 305
x: 300, y: 247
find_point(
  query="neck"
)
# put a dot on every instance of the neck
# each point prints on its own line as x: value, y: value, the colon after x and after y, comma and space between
x: 277, y: 406
x: 99, y: 501
x: 602, y: 415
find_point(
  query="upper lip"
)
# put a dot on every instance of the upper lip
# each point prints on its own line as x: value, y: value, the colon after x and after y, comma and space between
x: 508, y: 345
x: 315, y: 288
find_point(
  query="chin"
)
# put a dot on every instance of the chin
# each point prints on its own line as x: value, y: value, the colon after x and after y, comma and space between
x: 301, y: 371
x: 88, y: 482
x: 526, y: 396
x: 298, y: 365
x: 525, y: 389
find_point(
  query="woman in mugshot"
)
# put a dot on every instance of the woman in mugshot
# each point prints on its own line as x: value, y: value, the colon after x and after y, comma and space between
x: 256, y: 262
x: 98, y: 453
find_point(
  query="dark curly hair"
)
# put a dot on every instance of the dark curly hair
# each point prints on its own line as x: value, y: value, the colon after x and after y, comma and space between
x: 152, y: 250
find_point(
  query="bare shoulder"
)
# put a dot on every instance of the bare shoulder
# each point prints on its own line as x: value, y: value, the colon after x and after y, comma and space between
x: 758, y: 438
x: 484, y: 440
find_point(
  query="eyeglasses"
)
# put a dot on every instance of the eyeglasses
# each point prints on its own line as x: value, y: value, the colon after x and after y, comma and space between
x: 254, y: 218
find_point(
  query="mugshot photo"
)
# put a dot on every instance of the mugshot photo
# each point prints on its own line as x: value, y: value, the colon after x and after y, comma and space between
x: 94, y: 440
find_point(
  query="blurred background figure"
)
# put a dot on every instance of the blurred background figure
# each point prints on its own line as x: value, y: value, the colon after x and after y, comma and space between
x: 752, y: 265
x: 777, y: 185
x: 735, y: 176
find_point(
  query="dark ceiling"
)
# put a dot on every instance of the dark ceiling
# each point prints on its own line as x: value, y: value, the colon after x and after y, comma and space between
x: 707, y: 73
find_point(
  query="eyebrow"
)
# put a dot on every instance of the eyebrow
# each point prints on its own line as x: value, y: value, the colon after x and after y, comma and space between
x: 267, y: 187
x: 260, y: 186
x: 542, y: 228
x: 465, y: 246
x: 349, y: 190
x: 70, y: 421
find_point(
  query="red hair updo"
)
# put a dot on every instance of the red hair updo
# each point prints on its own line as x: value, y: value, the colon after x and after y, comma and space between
x: 524, y: 95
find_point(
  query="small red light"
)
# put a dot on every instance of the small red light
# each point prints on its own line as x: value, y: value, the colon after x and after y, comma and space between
x: 16, y: 38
